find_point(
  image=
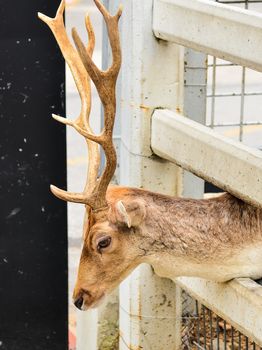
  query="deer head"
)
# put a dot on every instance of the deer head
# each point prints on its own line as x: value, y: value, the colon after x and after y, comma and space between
x: 107, y: 220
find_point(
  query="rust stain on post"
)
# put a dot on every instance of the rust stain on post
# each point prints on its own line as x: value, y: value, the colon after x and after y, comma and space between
x: 144, y: 108
x: 129, y: 346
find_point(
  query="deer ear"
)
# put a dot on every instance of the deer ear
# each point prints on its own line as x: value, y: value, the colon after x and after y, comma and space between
x: 128, y: 213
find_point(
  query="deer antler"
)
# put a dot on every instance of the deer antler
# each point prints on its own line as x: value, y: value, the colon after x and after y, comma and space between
x: 83, y: 68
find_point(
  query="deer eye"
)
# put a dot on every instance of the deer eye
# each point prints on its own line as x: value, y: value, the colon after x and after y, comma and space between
x: 103, y: 243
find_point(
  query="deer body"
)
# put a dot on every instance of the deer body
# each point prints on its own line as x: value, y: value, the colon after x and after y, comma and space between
x: 217, y: 238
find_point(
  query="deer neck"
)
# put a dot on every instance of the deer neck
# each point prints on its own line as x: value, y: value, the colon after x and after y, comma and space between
x: 217, y: 239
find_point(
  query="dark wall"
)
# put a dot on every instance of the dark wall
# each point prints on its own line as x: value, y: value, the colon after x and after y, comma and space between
x: 33, y: 224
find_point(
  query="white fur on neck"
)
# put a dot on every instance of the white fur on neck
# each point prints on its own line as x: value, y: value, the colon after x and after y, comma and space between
x: 247, y: 262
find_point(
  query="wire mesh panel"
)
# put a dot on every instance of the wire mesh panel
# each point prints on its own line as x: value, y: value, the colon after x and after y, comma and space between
x: 234, y: 108
x: 203, y: 329
x: 234, y: 94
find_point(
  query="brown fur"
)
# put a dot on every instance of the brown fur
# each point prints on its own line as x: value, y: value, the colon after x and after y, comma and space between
x: 165, y: 230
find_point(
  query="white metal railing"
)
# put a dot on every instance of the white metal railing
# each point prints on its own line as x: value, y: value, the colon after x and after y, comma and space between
x: 232, y: 34
x: 207, y: 154
x: 224, y: 31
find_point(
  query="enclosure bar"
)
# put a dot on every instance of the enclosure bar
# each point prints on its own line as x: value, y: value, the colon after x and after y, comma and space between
x: 225, y: 335
x: 239, y: 1
x: 204, y: 326
x: 242, y: 104
x: 246, y: 343
x: 223, y: 65
x: 207, y: 154
x: 235, y: 94
x: 194, y: 107
x: 211, y: 328
x: 217, y: 332
x: 144, y: 87
x: 239, y: 341
x: 213, y: 100
x: 232, y: 338
x: 198, y: 327
x: 234, y: 34
x: 235, y: 124
x: 238, y: 302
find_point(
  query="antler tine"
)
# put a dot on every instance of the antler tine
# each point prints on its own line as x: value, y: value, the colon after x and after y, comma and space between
x: 103, y: 79
x: 111, y: 23
x: 82, y: 80
x: 91, y: 36
x: 68, y: 196
x: 105, y: 82
x: 83, y: 68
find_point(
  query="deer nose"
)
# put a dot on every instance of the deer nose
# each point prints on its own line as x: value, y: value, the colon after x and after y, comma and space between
x: 79, y: 302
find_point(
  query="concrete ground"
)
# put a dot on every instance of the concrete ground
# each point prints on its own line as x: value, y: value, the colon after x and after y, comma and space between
x: 227, y: 110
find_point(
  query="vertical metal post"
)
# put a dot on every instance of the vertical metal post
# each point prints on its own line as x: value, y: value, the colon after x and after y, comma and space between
x: 213, y: 99
x: 195, y: 81
x: 150, y: 79
x: 242, y: 103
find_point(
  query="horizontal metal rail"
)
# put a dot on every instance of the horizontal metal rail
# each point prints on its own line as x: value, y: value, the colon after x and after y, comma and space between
x: 227, y: 164
x: 239, y: 1
x: 238, y: 302
x: 227, y: 32
x: 235, y: 94
x: 234, y: 124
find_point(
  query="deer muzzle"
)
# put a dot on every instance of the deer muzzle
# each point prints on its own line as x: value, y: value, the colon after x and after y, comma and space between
x: 84, y: 300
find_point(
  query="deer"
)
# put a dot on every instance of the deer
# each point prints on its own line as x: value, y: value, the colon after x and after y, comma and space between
x: 217, y: 238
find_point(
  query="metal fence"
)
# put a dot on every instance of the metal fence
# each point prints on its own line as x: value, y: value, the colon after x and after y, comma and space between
x: 230, y: 112
x: 241, y: 92
x: 203, y: 329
